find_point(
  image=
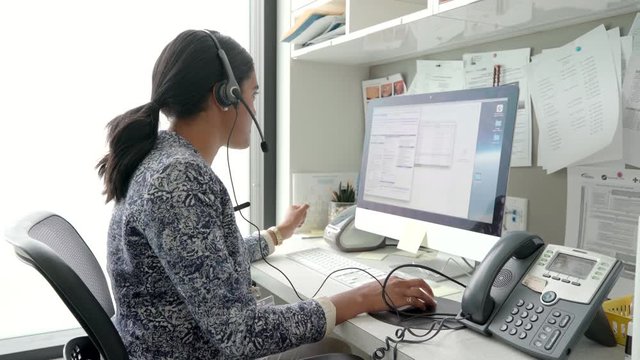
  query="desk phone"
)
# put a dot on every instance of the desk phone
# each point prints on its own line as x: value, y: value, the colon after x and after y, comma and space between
x: 539, y: 299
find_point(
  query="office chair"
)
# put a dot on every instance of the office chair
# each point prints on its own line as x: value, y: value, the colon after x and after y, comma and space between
x: 51, y: 245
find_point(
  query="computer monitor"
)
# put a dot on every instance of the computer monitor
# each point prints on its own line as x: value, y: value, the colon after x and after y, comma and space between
x: 438, y: 164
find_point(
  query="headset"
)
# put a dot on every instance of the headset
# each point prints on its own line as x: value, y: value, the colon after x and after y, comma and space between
x: 227, y: 92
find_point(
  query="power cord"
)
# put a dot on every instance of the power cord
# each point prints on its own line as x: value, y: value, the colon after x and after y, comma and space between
x: 262, y: 240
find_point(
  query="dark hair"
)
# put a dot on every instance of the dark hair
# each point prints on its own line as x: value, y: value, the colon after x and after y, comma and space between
x: 182, y: 81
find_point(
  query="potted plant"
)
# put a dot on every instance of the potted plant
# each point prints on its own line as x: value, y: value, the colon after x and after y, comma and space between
x: 344, y: 197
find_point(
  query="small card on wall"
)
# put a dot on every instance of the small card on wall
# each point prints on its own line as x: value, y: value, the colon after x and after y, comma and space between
x: 316, y: 190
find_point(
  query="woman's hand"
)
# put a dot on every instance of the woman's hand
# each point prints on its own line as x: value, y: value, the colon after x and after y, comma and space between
x: 400, y: 292
x: 294, y: 218
x: 368, y: 297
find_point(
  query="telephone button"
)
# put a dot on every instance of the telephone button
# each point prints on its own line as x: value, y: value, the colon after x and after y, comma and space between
x: 552, y: 340
x: 546, y: 328
x: 518, y: 323
x: 555, y: 277
x: 546, y: 275
x: 537, y: 343
x: 529, y: 306
x: 565, y: 321
x: 539, y: 310
x: 520, y: 302
x: 566, y: 281
x: 575, y: 283
x: 551, y: 321
x: 534, y: 318
x: 528, y: 326
x: 509, y: 319
x: 514, y: 311
x: 504, y: 327
x: 524, y: 314
x: 549, y: 297
x: 513, y: 331
x: 522, y: 335
x: 556, y: 314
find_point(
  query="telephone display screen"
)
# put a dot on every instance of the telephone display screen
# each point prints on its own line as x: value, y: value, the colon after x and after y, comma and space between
x: 572, y: 265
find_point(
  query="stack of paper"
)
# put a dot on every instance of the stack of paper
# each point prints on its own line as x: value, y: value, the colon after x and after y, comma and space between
x: 318, y: 24
x: 575, y: 90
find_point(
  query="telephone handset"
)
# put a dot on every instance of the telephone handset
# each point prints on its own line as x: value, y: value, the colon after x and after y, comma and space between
x: 539, y: 299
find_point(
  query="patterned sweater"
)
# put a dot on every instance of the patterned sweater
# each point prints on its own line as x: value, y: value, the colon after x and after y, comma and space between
x: 180, y: 269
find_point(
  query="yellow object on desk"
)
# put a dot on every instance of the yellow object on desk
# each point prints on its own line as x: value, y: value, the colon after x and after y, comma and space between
x: 618, y: 313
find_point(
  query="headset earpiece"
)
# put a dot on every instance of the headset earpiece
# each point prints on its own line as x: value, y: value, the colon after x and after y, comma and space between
x: 224, y: 97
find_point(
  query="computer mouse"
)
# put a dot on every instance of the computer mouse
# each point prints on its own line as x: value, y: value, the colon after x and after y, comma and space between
x: 412, y: 310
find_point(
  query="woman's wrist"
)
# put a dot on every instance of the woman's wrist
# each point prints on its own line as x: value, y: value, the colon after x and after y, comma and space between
x: 276, y: 235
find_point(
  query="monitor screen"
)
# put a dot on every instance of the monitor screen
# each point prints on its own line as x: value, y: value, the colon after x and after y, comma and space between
x: 438, y: 159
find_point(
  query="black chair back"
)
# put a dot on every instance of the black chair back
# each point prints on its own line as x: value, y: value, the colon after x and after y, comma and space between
x: 51, y: 245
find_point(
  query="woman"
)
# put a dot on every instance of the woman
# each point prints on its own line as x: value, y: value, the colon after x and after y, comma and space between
x: 179, y: 267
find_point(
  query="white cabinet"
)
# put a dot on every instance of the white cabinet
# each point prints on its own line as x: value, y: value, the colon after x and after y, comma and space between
x: 380, y: 31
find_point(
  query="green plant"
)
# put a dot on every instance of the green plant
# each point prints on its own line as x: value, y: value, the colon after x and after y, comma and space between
x: 345, y: 193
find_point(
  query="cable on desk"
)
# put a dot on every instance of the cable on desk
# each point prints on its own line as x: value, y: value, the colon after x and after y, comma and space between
x: 400, y: 334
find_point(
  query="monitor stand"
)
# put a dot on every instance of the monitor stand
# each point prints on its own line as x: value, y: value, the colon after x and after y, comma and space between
x: 452, y: 266
x: 417, y: 319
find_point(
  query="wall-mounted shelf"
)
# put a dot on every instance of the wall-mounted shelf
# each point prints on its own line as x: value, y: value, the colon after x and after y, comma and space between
x: 435, y: 30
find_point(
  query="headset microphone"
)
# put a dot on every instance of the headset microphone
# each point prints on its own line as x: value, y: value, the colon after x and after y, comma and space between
x: 228, y: 93
x: 263, y: 143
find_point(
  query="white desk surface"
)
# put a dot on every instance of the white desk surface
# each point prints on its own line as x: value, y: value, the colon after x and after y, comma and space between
x: 367, y: 333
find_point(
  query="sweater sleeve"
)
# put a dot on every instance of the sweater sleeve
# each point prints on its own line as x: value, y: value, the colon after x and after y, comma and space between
x: 184, y: 228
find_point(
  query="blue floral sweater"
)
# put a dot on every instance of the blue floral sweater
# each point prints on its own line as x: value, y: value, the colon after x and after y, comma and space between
x: 180, y: 269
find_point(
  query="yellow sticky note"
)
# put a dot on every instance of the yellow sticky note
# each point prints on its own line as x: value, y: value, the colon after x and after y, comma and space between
x: 412, y: 238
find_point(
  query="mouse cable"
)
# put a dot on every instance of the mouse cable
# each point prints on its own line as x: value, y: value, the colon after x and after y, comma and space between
x: 263, y: 240
x: 400, y: 333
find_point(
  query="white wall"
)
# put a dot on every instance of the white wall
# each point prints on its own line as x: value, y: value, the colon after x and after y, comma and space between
x: 67, y: 68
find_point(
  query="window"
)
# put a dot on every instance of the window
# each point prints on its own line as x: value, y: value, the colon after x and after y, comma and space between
x: 67, y: 68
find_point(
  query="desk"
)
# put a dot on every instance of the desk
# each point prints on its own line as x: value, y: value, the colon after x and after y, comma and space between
x: 367, y: 333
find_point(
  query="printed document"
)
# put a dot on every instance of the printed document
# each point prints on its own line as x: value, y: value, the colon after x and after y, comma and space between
x: 603, y: 205
x: 437, y: 76
x: 575, y: 94
x: 631, y: 112
x: 479, y: 72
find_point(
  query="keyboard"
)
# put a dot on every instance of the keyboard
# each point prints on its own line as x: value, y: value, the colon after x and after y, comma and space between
x: 325, y: 262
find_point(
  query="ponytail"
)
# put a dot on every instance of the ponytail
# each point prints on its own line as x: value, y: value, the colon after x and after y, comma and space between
x: 131, y: 137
